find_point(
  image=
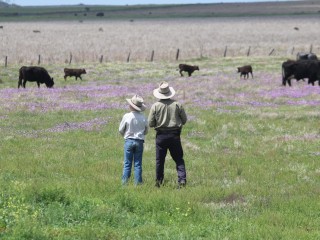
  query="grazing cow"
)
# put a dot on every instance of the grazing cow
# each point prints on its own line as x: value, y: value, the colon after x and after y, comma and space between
x: 244, y: 71
x: 299, y: 70
x: 306, y: 56
x: 73, y: 72
x: 187, y: 68
x: 34, y: 74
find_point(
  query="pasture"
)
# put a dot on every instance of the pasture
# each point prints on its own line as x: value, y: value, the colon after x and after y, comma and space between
x: 251, y: 146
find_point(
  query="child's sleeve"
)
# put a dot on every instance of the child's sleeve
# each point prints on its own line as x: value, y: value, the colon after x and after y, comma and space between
x: 146, y: 127
x: 122, y: 126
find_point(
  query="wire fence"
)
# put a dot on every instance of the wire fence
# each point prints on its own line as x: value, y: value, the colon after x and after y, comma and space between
x: 178, y: 55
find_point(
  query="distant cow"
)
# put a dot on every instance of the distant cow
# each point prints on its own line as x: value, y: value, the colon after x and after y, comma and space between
x: 299, y: 70
x: 100, y: 14
x: 306, y: 56
x: 74, y: 72
x: 34, y: 74
x: 244, y: 71
x: 187, y: 68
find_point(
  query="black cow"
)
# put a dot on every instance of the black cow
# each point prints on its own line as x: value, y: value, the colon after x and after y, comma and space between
x: 306, y: 56
x: 245, y: 70
x: 73, y: 72
x: 187, y: 68
x: 34, y: 74
x: 285, y: 72
x: 299, y: 70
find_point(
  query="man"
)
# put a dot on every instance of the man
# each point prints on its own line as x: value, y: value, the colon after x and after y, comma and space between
x: 167, y: 116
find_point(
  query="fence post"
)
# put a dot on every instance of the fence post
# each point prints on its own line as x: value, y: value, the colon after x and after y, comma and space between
x: 101, y: 59
x: 70, y: 60
x: 248, y: 53
x: 6, y: 61
x: 39, y: 59
x: 292, y: 51
x: 177, y: 54
x: 225, y: 51
x: 128, y: 58
x: 311, y: 48
x: 152, y: 55
x: 271, y: 52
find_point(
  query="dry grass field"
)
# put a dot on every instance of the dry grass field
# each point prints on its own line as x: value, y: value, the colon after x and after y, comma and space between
x: 195, y: 38
x: 202, y: 30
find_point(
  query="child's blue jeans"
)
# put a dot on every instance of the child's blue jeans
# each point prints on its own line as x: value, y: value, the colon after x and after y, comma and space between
x: 133, y: 150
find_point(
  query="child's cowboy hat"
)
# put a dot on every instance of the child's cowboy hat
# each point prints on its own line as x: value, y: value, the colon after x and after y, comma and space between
x: 137, y: 103
x: 164, y: 91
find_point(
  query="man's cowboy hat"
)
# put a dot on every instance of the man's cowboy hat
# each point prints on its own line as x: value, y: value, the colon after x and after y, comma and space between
x: 164, y: 91
x: 137, y: 103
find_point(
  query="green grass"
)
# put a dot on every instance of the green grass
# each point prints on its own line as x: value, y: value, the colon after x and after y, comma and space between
x: 253, y: 172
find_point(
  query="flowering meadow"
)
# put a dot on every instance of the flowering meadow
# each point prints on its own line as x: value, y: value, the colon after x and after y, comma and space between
x: 251, y: 148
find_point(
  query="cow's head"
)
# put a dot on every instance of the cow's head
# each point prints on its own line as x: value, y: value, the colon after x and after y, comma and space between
x: 83, y: 71
x: 49, y: 83
x: 196, y: 68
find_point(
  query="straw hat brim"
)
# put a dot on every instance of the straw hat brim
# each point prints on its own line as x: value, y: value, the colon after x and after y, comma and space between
x: 140, y: 109
x: 168, y: 95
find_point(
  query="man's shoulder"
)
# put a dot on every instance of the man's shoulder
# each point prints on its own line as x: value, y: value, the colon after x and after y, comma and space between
x: 156, y: 104
x: 175, y: 103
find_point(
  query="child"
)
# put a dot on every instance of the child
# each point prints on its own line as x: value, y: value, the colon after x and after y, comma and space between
x: 133, y: 127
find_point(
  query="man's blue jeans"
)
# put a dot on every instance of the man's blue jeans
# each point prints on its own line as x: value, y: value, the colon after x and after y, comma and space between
x: 133, y: 150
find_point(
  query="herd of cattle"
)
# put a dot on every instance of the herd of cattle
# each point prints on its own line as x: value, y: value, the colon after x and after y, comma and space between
x: 306, y: 65
x: 40, y: 75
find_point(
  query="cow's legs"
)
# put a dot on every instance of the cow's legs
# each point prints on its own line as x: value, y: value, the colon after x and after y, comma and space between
x: 181, y: 73
x: 311, y: 80
x: 19, y: 83
x: 38, y: 84
x: 24, y: 83
x: 284, y: 81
